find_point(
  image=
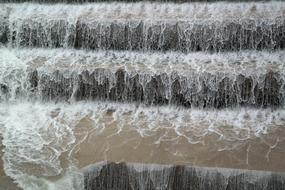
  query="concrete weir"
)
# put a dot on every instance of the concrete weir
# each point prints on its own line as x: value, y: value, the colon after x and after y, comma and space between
x: 186, y: 28
x: 142, y: 95
x: 131, y: 176
x: 240, y: 91
x: 197, y: 80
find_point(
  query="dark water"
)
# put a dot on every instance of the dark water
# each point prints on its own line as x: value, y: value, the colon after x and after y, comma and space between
x: 137, y: 176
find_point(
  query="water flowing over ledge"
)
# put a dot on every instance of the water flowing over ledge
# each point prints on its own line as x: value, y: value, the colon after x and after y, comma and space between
x: 138, y: 176
x: 145, y: 26
x: 202, y: 80
x: 60, y: 139
x: 145, y: 95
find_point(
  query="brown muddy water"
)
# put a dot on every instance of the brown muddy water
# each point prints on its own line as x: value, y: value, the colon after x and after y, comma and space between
x: 46, y: 145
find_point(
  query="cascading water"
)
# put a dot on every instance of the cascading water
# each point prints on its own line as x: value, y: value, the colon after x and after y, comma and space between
x: 167, y: 96
x: 145, y: 26
x: 192, y: 80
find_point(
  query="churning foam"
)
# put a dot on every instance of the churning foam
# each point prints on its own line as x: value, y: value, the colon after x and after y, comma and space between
x: 145, y: 26
x: 44, y: 143
x: 246, y: 63
x: 246, y: 75
x: 146, y: 10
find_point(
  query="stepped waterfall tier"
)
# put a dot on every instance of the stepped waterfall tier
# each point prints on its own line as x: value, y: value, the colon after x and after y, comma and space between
x: 145, y: 26
x: 142, y: 95
x: 253, y: 79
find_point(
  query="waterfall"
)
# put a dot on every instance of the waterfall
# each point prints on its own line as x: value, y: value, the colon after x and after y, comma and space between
x: 145, y: 95
x: 177, y: 177
x: 193, y: 80
x: 141, y: 26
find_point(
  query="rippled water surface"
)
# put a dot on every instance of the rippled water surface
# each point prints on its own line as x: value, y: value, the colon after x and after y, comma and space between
x: 42, y: 141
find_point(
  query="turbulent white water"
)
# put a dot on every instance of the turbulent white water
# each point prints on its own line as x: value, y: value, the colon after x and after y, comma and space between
x: 36, y: 140
x: 12, y: 74
x: 146, y: 10
x: 62, y: 110
x: 145, y: 26
x: 39, y: 139
x: 44, y: 142
x: 193, y: 71
x: 247, y: 63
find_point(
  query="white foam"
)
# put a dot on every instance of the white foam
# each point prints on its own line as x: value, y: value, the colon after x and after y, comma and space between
x: 35, y: 135
x: 12, y: 74
x: 146, y: 11
x: 192, y: 68
x: 248, y: 63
